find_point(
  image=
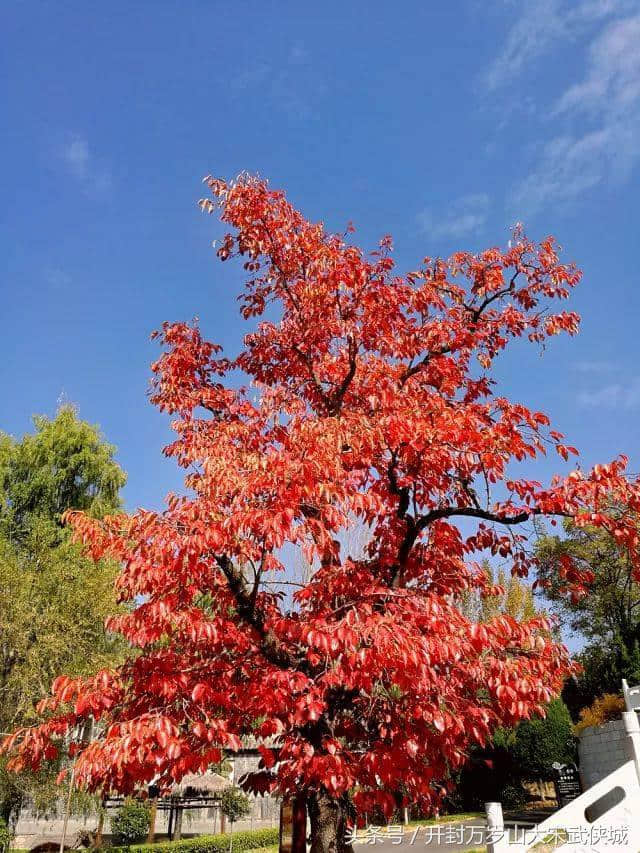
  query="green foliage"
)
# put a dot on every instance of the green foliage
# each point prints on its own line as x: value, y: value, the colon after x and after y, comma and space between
x: 516, y: 755
x: 130, y: 824
x: 513, y: 797
x: 234, y: 803
x: 5, y: 836
x: 604, y: 664
x: 65, y: 465
x: 608, y: 618
x: 54, y: 600
x: 538, y: 743
x: 244, y: 840
x: 516, y: 600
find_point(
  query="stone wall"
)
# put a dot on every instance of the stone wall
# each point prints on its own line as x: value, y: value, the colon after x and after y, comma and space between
x: 601, y: 750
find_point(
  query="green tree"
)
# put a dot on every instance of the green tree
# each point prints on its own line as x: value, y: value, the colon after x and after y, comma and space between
x: 608, y: 618
x: 130, y: 824
x: 5, y: 836
x: 234, y: 803
x: 538, y: 743
x: 516, y: 599
x: 516, y: 755
x: 65, y: 464
x: 54, y: 600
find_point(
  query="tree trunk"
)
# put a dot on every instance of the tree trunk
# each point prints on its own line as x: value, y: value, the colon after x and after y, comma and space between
x: 97, y: 839
x: 153, y: 812
x: 329, y: 829
x: 177, y: 830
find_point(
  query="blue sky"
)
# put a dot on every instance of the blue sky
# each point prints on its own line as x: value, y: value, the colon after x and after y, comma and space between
x: 440, y: 123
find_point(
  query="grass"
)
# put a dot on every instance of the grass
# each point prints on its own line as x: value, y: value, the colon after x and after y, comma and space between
x: 447, y: 818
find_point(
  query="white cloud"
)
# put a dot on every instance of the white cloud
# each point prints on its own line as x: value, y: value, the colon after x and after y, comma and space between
x: 82, y: 165
x: 612, y: 81
x: 566, y: 167
x: 617, y: 395
x: 465, y: 216
x: 293, y: 85
x: 76, y: 154
x: 601, y: 116
x: 538, y: 25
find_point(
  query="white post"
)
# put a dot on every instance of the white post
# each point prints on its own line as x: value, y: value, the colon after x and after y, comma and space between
x: 631, y: 696
x: 497, y: 835
x: 632, y: 725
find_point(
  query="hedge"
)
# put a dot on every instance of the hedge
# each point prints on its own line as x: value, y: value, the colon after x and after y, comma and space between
x: 248, y: 839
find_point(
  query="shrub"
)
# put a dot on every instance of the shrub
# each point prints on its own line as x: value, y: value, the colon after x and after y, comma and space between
x: 130, y: 824
x: 243, y: 840
x: 513, y: 796
x: 604, y: 709
x: 5, y: 836
x: 234, y: 804
x: 539, y: 743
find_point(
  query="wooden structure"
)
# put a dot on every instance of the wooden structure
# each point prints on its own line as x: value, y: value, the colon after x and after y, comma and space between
x: 195, y: 791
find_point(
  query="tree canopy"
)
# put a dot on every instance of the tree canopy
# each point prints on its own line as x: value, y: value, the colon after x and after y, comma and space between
x: 608, y: 618
x: 370, y: 401
x: 66, y: 464
x: 537, y: 744
x: 612, y: 609
x: 54, y: 599
x: 511, y: 596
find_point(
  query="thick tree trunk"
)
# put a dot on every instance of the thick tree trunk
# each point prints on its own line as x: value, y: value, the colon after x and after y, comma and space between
x: 329, y: 824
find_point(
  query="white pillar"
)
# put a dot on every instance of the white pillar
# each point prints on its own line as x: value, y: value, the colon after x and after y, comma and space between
x: 632, y: 725
x: 497, y: 835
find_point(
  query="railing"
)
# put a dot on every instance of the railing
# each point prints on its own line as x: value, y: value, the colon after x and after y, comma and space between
x: 631, y: 696
x: 610, y: 807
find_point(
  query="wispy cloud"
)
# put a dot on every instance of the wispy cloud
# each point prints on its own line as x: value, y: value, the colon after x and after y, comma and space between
x: 566, y: 167
x: 617, y: 395
x: 612, y: 80
x: 293, y: 85
x: 465, y: 216
x: 538, y: 25
x: 601, y: 117
x: 80, y: 162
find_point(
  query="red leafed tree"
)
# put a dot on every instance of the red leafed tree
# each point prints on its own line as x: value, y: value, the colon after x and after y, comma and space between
x: 370, y: 405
